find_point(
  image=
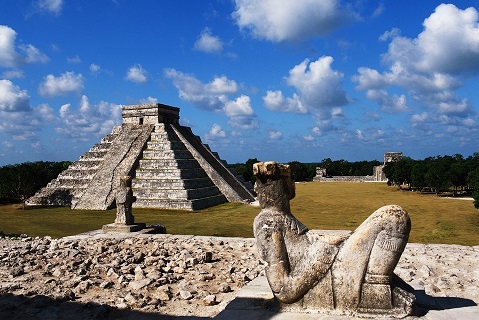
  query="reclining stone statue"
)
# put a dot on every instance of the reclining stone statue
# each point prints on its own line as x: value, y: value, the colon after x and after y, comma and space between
x: 345, y: 275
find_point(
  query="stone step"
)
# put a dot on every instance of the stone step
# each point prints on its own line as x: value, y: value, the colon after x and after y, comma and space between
x: 94, y: 154
x: 167, y: 154
x: 169, y: 163
x: 70, y: 183
x: 173, y: 145
x: 164, y: 135
x: 185, y: 194
x: 172, y: 183
x: 166, y: 173
x: 86, y: 163
x: 175, y: 204
x: 81, y: 174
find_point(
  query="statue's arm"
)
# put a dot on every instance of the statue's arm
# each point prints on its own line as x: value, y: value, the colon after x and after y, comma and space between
x: 289, y: 285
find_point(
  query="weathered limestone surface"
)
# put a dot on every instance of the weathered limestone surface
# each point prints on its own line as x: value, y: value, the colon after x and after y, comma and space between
x: 124, y: 153
x: 73, y: 182
x: 169, y: 176
x: 227, y: 182
x: 310, y: 273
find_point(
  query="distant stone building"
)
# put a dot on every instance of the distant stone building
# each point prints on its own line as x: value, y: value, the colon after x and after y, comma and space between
x: 378, y: 174
x: 170, y: 166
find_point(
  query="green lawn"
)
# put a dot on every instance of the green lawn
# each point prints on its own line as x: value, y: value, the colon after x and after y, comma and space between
x: 318, y: 205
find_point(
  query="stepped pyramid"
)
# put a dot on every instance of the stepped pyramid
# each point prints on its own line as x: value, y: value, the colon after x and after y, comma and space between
x: 170, y: 166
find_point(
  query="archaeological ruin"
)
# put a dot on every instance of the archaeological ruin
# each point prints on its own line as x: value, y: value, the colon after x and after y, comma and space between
x: 377, y: 176
x: 170, y: 167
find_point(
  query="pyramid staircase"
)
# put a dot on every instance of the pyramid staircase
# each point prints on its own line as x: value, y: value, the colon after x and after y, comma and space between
x: 72, y: 182
x: 169, y: 177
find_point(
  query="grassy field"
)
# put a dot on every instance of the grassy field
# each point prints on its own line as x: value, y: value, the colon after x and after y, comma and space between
x: 318, y: 205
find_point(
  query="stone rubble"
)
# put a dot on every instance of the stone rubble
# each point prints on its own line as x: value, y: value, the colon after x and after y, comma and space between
x: 163, y: 276
x: 174, y: 275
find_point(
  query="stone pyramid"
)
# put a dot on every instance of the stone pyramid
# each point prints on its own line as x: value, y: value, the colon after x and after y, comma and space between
x: 170, y: 166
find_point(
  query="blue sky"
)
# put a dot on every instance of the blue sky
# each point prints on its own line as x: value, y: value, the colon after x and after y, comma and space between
x: 269, y: 79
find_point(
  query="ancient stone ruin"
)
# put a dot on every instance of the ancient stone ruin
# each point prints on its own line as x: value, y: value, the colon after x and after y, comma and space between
x: 351, y: 274
x: 170, y: 167
x: 377, y: 176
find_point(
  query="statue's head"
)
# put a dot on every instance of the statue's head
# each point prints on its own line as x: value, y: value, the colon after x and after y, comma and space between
x: 273, y: 185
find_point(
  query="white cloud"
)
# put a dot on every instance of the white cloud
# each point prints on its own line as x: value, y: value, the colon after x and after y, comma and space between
x: 391, y: 104
x: 65, y: 84
x: 9, y: 55
x: 149, y: 100
x: 275, y: 135
x: 393, y: 33
x: 275, y: 101
x: 75, y: 60
x: 137, y: 74
x: 319, y: 85
x: 12, y: 98
x: 240, y: 113
x: 216, y: 132
x: 50, y: 6
x: 429, y: 69
x: 12, y: 74
x: 308, y: 138
x: 208, y: 43
x: 22, y: 124
x: 280, y: 20
x: 94, y: 68
x: 449, y: 42
x: 319, y: 91
x: 88, y: 120
x: 214, y: 96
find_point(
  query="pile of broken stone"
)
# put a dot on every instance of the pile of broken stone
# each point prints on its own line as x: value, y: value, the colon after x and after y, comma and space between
x: 153, y: 275
x: 175, y: 275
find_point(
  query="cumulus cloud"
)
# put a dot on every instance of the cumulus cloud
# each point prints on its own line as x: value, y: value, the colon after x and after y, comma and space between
x: 208, y: 43
x: 283, y: 20
x: 88, y: 119
x: 275, y: 135
x: 12, y: 98
x: 23, y: 124
x: 66, y: 83
x: 215, y: 96
x: 137, y: 74
x: 275, y: 101
x: 319, y: 90
x: 429, y: 68
x: 216, y: 132
x: 12, y: 56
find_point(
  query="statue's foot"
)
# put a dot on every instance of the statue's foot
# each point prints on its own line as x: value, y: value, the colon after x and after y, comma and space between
x: 394, y: 297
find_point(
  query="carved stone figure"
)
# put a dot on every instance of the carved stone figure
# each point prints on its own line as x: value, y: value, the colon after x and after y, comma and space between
x: 353, y: 274
x: 124, y: 200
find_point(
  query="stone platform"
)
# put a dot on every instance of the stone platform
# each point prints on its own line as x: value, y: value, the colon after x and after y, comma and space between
x: 255, y: 302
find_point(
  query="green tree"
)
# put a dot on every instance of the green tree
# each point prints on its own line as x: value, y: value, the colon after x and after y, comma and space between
x: 299, y: 171
x: 20, y: 181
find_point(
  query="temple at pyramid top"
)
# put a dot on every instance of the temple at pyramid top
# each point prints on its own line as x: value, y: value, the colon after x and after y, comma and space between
x: 150, y: 113
x: 170, y: 167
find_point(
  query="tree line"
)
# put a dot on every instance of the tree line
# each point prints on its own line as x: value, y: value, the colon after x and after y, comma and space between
x: 20, y: 181
x: 306, y: 171
x: 454, y: 174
